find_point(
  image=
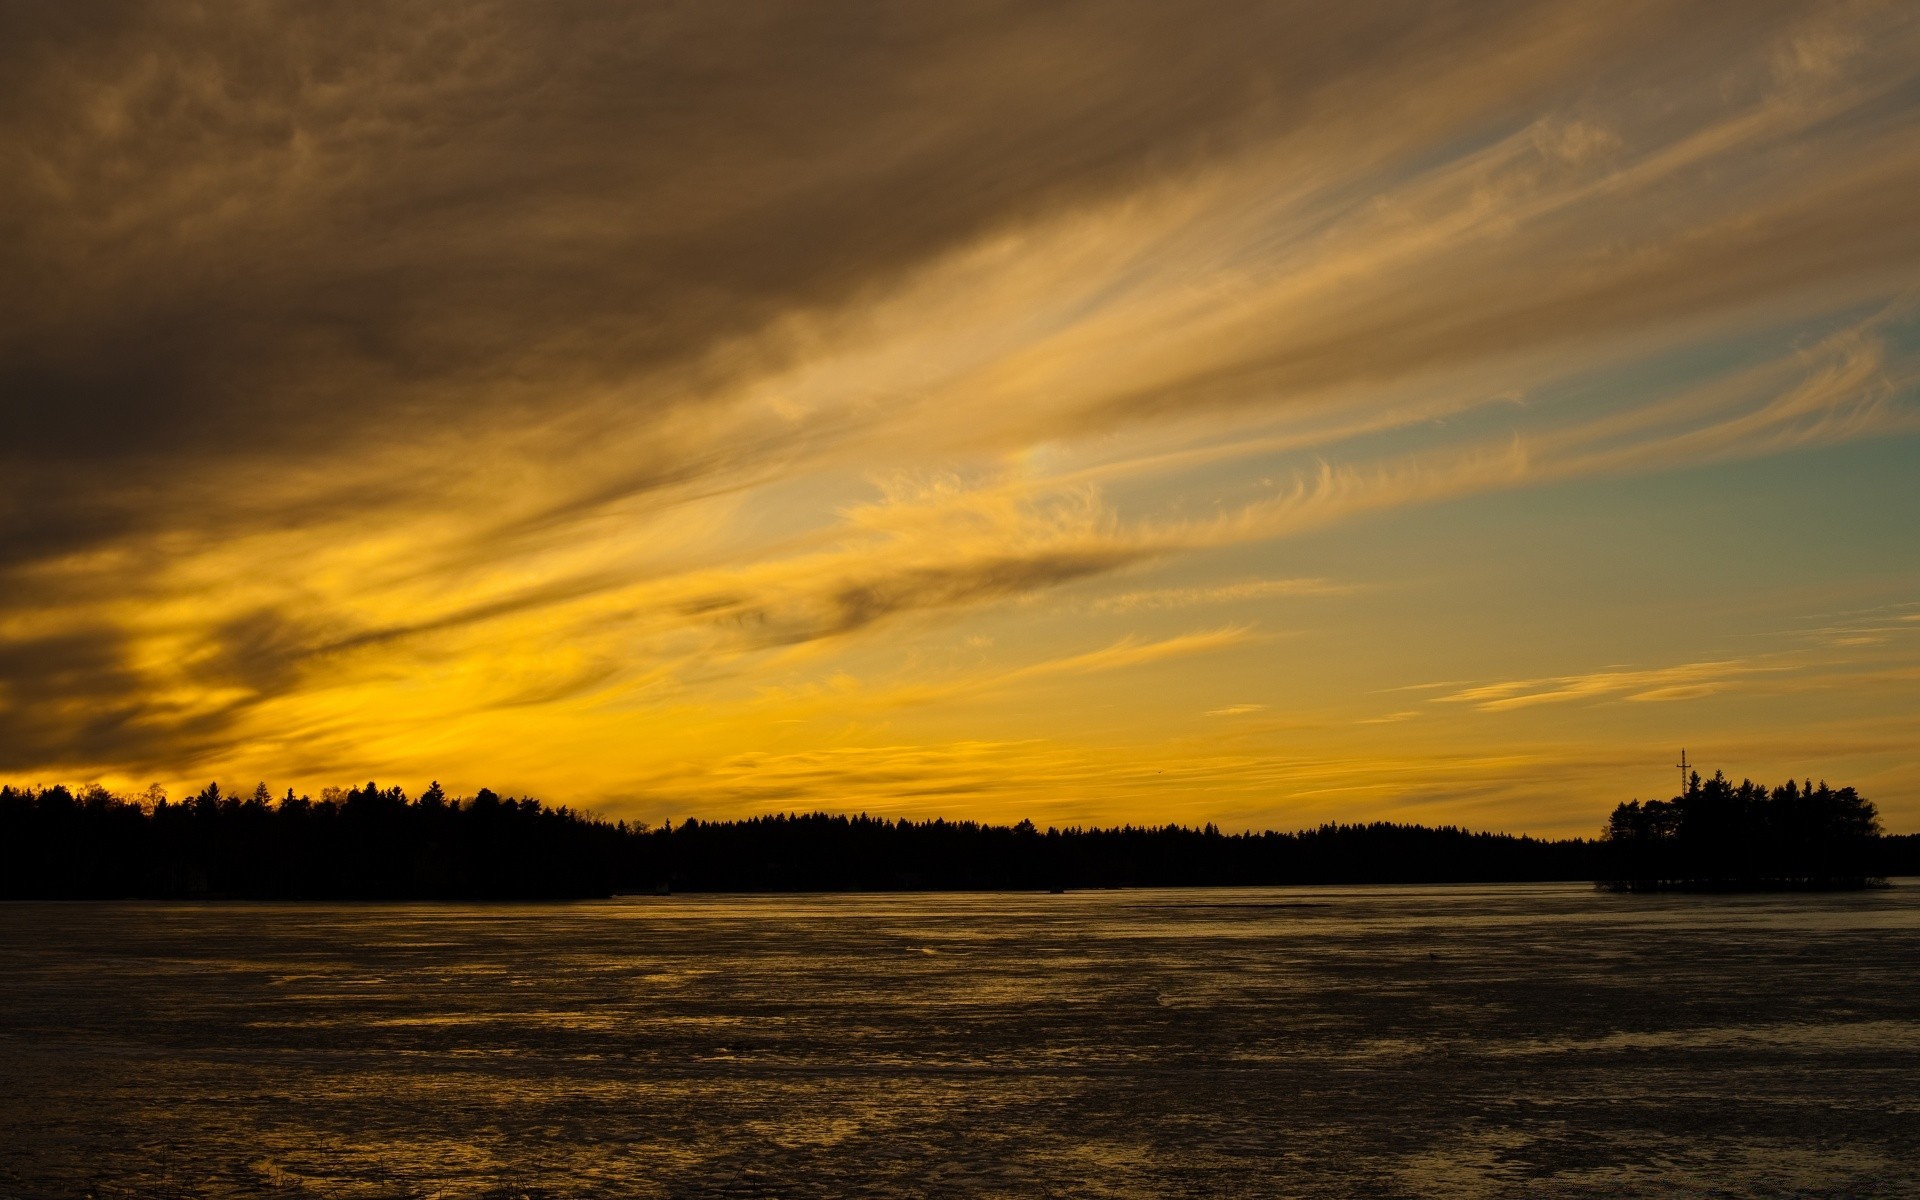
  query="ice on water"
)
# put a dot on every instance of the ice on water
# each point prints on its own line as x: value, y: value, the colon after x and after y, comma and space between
x: 1498, y: 1041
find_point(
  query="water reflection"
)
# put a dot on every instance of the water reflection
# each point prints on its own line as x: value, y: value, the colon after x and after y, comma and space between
x: 1510, y: 1041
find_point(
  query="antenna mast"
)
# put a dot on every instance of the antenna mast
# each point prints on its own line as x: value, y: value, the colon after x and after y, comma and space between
x: 1683, y: 772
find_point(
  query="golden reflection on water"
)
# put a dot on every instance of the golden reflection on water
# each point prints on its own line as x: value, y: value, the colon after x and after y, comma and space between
x: 1511, y: 1041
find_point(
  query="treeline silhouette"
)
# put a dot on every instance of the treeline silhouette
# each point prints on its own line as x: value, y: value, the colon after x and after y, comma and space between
x: 868, y: 853
x: 1718, y: 834
x: 367, y: 843
x: 377, y: 843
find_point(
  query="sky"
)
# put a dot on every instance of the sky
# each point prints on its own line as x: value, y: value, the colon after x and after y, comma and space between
x: 1257, y: 413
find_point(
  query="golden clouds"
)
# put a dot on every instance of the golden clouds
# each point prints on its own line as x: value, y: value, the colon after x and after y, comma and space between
x: 1685, y: 681
x: 594, y: 397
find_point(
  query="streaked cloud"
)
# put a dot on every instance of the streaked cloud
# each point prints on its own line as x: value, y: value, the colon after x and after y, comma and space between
x: 1683, y: 682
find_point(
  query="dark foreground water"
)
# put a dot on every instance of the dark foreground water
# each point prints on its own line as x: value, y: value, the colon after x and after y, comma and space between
x: 1496, y: 1041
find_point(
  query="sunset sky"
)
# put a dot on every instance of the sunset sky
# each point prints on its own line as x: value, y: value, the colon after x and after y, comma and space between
x: 1256, y: 413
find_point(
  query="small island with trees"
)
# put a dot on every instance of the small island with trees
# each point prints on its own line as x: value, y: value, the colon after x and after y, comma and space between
x: 375, y: 843
x: 1721, y: 836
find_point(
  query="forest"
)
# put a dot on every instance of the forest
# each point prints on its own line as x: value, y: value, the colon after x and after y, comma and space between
x: 375, y: 843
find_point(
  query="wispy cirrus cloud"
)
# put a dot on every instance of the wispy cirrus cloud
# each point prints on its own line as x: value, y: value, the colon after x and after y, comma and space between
x: 1680, y: 682
x: 1834, y: 665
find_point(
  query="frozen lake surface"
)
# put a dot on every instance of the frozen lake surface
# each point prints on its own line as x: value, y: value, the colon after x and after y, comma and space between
x: 1482, y: 1041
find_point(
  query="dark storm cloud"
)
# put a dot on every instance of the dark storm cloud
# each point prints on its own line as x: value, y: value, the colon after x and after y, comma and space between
x: 858, y: 604
x: 247, y: 232
x: 265, y: 651
x: 836, y: 607
x: 77, y: 698
x: 81, y: 695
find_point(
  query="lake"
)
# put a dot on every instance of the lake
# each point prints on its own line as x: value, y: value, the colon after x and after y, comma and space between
x: 1445, y: 1042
